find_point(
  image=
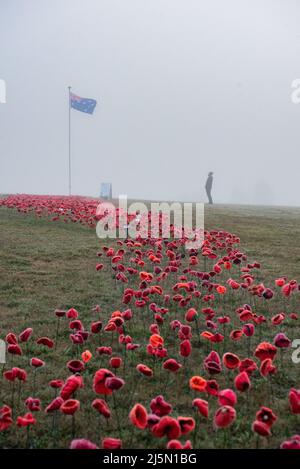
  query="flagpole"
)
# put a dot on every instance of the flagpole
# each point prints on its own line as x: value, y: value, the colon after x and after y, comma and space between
x: 70, y: 188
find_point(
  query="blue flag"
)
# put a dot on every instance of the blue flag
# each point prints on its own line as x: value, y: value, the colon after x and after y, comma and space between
x: 82, y: 104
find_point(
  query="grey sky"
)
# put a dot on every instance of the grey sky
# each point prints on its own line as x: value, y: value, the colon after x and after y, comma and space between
x: 183, y: 87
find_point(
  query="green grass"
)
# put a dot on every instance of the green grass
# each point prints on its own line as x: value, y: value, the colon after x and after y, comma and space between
x: 47, y: 265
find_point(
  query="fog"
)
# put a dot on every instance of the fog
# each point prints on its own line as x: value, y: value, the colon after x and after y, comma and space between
x: 183, y: 87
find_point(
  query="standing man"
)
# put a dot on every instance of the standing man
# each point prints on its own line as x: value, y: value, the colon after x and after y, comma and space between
x: 208, y: 187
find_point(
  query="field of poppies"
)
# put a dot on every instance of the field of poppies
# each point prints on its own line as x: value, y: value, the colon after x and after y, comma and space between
x: 141, y: 343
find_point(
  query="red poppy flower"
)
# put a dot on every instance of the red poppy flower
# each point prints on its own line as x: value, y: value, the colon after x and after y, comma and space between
x: 5, y: 417
x: 114, y: 383
x: 115, y: 362
x: 191, y: 315
x: 248, y: 329
x: 72, y: 313
x: 102, y: 407
x: 11, y: 339
x: 197, y: 383
x: 242, y: 381
x: 45, y: 341
x: 104, y: 350
x: 14, y: 349
x: 100, y: 378
x: 291, y: 443
x: 231, y: 361
x: 175, y: 444
x: 187, y: 424
x: 294, y: 400
x: 70, y: 406
x: 171, y: 365
x: 56, y: 383
x: 144, y: 369
x: 111, y: 443
x: 33, y: 404
x: 167, y: 426
x: 224, y: 416
x: 26, y: 420
x: 282, y: 341
x: 37, y: 362
x: 82, y: 444
x: 138, y: 416
x: 278, y: 319
x: 261, y: 428
x: 71, y: 385
x: 236, y: 334
x: 59, y: 313
x: 185, y: 348
x: 75, y: 366
x: 202, y: 406
x: 212, y: 363
x: 248, y: 365
x: 86, y: 356
x: 266, y: 415
x: 265, y: 350
x: 267, y: 367
x: 227, y: 397
x: 96, y: 327
x: 25, y: 335
x: 160, y: 407
x: 212, y: 387
x: 54, y: 405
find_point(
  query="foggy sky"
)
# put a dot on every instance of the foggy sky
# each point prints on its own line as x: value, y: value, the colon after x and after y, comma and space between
x: 183, y: 87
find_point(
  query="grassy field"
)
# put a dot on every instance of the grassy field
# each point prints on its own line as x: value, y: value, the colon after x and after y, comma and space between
x: 47, y: 265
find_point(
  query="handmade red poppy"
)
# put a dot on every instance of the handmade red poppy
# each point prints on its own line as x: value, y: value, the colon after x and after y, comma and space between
x: 54, y: 405
x: 26, y: 420
x: 242, y: 382
x: 102, y: 407
x: 266, y: 415
x: 160, y: 407
x: 261, y: 428
x: 267, y: 367
x: 70, y: 406
x: 227, y: 397
x: 202, y: 406
x: 138, y: 416
x: 231, y: 361
x: 37, y: 362
x: 212, y: 363
x: 171, y: 365
x: 197, y: 383
x: 294, y: 400
x: 5, y: 417
x: 185, y: 348
x: 114, y: 383
x: 111, y: 443
x: 224, y: 416
x: 100, y: 378
x: 45, y: 341
x: 167, y: 426
x: 144, y: 370
x: 187, y: 424
x: 25, y: 335
x: 82, y: 444
x: 291, y: 443
x: 265, y: 350
x: 71, y: 385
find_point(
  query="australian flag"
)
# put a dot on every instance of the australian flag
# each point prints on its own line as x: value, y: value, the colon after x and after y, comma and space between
x: 82, y: 104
